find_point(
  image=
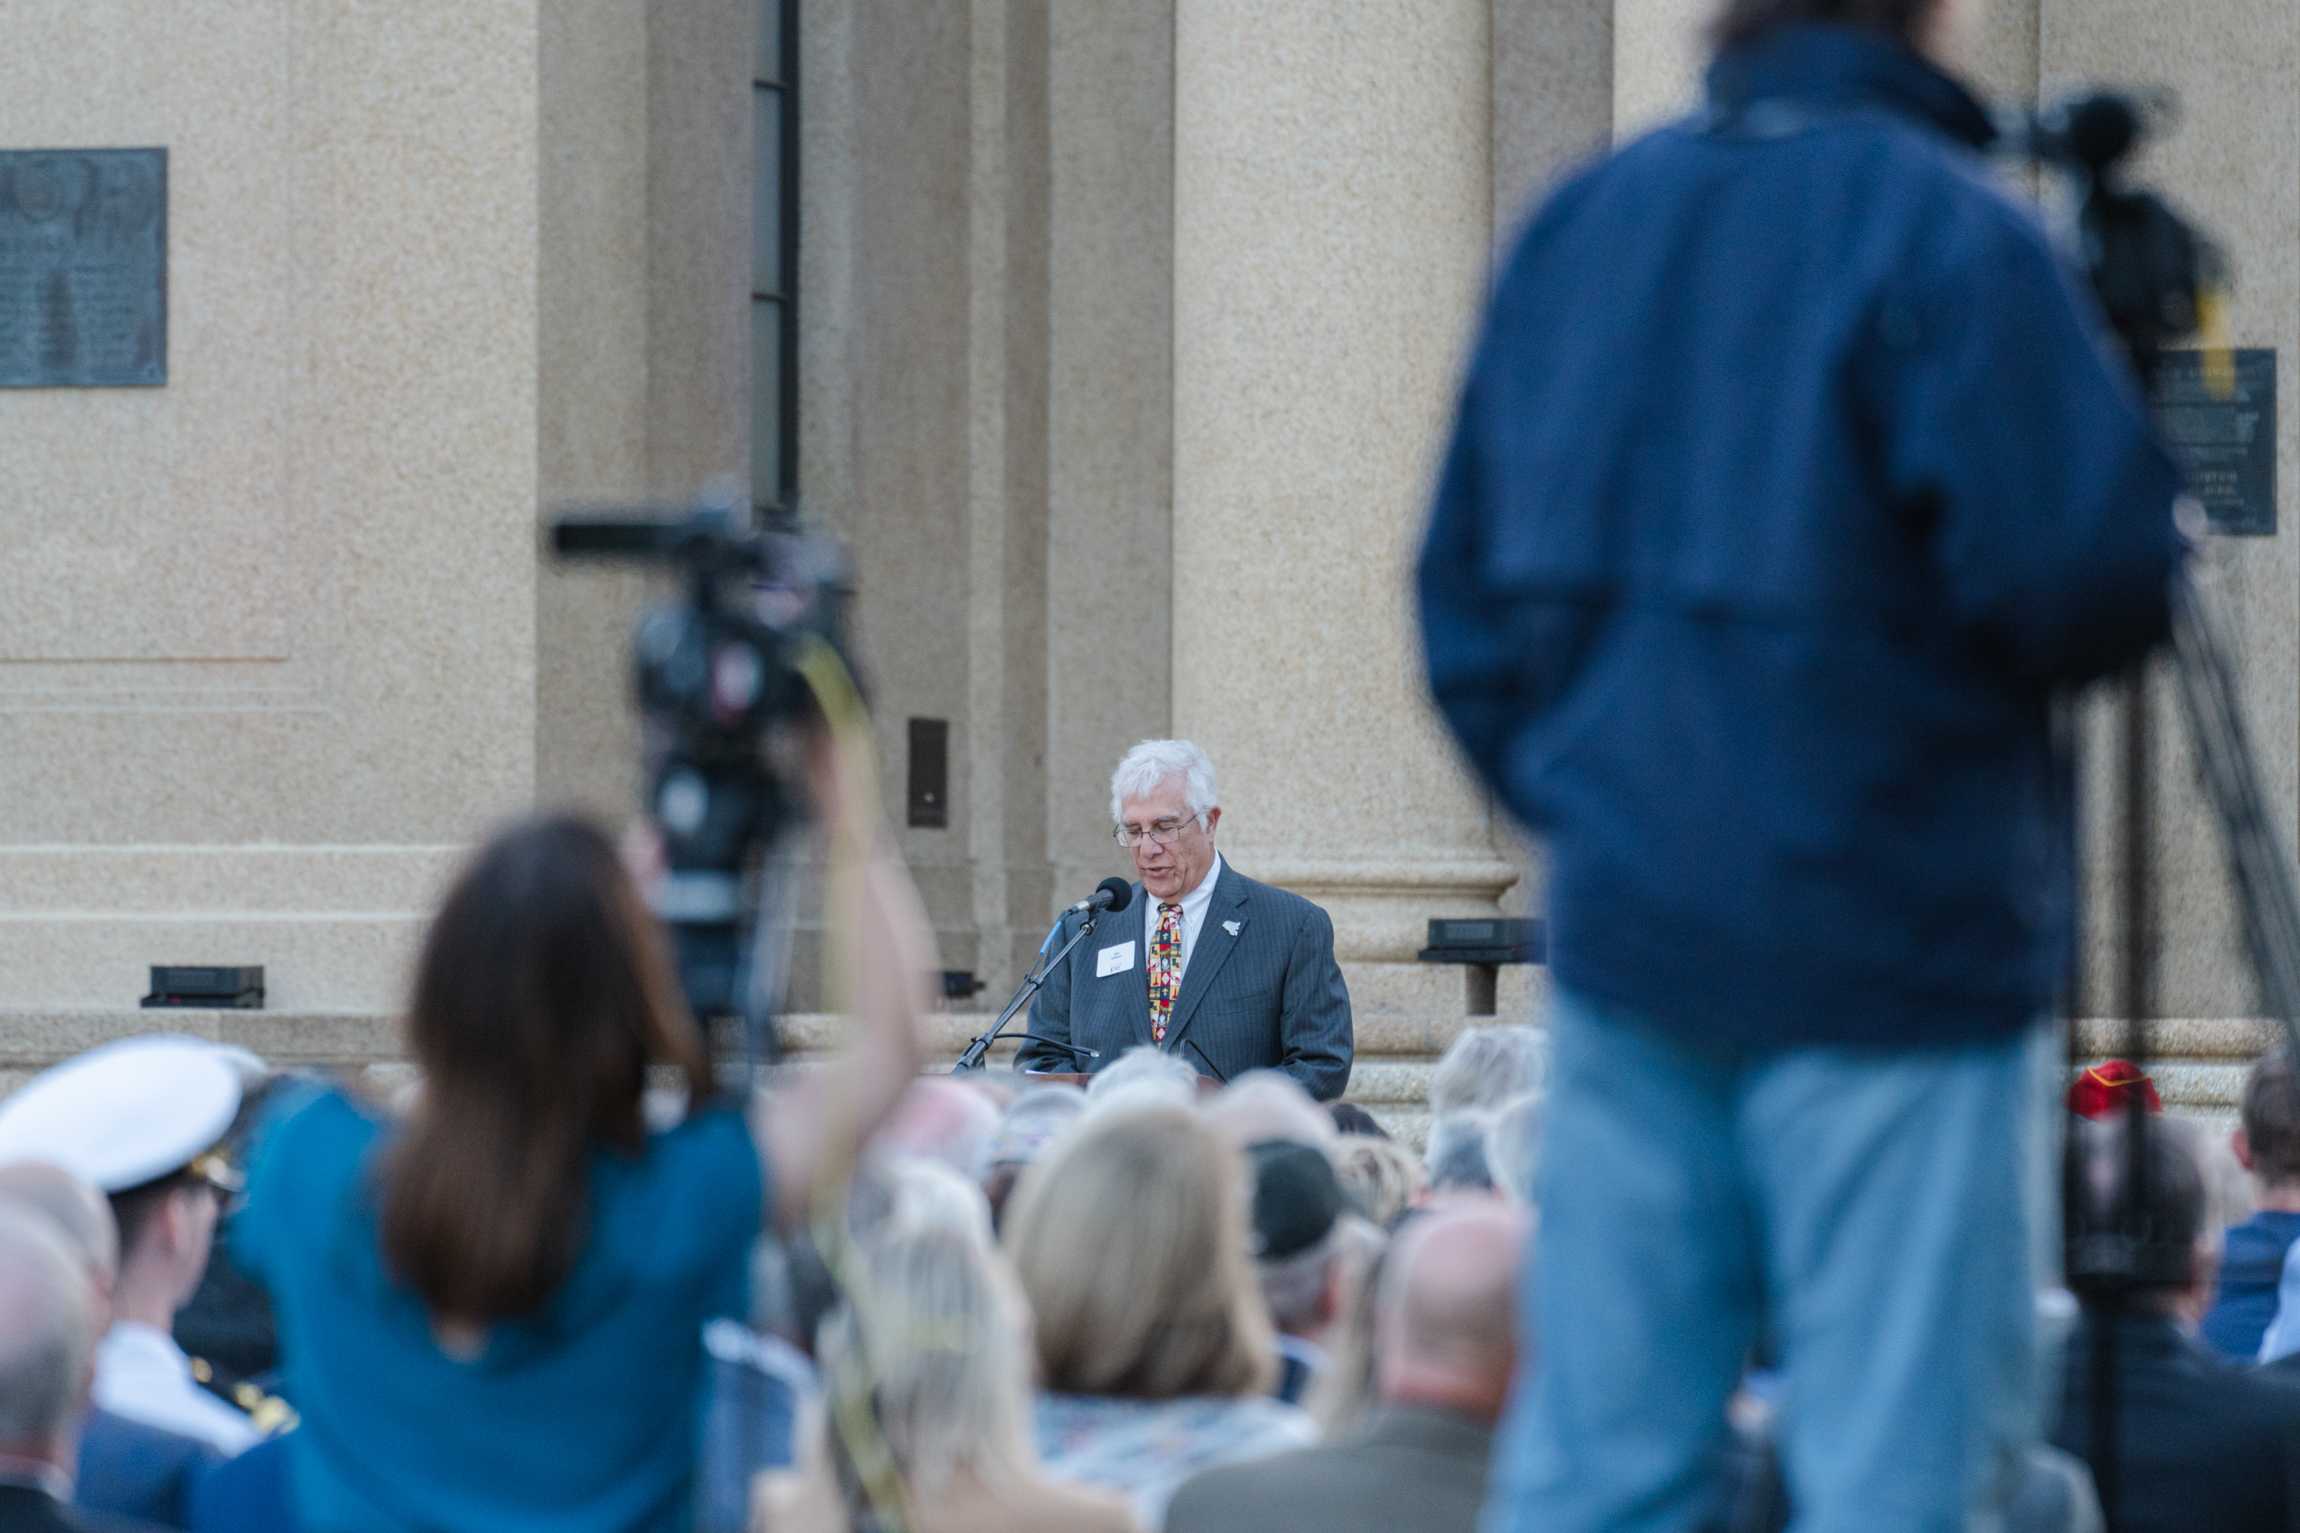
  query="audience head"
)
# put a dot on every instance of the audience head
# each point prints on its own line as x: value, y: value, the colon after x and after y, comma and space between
x: 544, y: 994
x: 140, y: 1121
x: 1164, y: 791
x: 77, y: 1212
x: 1143, y: 1076
x: 2267, y: 1140
x: 1130, y: 1238
x: 1513, y: 1146
x: 47, y: 1346
x: 1351, y: 1120
x: 1456, y: 1158
x: 1032, y: 1123
x: 2104, y: 1089
x: 935, y: 1339
x: 1487, y: 1066
x: 2178, y: 1256
x: 1269, y: 1104
x: 942, y: 1120
x: 1945, y: 30
x: 1298, y: 1208
x: 1445, y: 1311
x: 925, y: 1194
x: 1381, y: 1176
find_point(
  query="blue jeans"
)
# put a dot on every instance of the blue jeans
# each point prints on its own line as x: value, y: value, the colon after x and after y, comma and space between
x: 1875, y: 1211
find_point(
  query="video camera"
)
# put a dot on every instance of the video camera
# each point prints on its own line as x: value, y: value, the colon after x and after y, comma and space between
x: 724, y: 711
x: 2153, y: 271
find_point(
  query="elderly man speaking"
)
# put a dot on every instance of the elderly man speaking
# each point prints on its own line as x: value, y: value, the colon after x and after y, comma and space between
x: 1219, y: 970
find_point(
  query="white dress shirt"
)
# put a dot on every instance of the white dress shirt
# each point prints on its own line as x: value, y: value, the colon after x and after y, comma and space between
x: 143, y: 1375
x: 1195, y: 904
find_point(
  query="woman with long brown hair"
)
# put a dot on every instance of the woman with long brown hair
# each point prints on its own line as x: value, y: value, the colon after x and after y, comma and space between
x: 491, y: 1313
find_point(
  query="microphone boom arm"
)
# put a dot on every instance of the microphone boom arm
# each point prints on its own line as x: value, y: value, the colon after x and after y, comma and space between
x: 1032, y: 983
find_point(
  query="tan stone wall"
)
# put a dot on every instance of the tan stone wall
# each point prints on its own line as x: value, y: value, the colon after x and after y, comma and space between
x: 1128, y: 328
x: 268, y: 633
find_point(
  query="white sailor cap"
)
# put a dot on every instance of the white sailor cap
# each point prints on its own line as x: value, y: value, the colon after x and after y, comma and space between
x: 127, y: 1113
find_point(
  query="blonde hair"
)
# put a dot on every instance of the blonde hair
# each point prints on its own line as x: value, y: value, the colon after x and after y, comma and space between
x: 934, y: 1336
x: 1381, y: 1176
x: 1130, y: 1241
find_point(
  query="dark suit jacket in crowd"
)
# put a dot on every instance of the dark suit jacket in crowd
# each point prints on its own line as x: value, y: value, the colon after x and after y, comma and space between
x: 132, y: 1469
x: 1267, y: 995
x: 2202, y: 1443
x: 25, y: 1510
x: 1407, y: 1467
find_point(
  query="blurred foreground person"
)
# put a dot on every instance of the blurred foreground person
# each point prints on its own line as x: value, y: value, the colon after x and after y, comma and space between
x: 935, y: 1349
x: 47, y: 1349
x: 2201, y: 1442
x: 125, y: 1467
x: 140, y: 1120
x: 1154, y: 1348
x: 491, y: 1315
x: 1792, y: 477
x: 1444, y: 1346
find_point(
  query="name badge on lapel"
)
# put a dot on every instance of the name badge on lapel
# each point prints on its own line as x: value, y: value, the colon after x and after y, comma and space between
x: 1116, y: 959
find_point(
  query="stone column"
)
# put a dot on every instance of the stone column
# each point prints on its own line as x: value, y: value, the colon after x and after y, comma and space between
x: 1332, y: 216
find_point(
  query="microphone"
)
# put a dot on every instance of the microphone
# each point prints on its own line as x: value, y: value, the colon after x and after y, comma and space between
x: 1110, y: 894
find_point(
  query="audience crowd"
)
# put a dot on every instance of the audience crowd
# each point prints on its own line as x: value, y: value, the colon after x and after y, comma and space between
x: 567, y: 1283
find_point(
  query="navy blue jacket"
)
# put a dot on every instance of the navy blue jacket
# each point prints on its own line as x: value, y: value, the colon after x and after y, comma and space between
x: 1792, y: 476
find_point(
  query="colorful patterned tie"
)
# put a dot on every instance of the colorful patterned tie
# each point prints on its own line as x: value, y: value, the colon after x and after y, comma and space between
x: 1165, y: 967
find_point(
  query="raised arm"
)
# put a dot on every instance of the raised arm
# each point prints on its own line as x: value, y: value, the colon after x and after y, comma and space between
x: 812, y: 1130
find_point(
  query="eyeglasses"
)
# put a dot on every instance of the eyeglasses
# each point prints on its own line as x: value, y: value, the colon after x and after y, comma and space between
x: 1160, y: 833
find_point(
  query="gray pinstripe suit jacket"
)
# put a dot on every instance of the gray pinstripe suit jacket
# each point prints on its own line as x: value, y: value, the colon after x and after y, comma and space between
x: 1269, y: 997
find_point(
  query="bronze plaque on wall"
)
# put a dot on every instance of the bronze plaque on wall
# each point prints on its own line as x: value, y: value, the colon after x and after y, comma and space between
x: 2224, y: 438
x: 83, y: 268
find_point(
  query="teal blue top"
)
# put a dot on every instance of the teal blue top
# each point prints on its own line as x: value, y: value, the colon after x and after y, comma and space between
x: 581, y: 1418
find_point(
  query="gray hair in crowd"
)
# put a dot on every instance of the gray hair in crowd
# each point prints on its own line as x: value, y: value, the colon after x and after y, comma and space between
x: 78, y: 1211
x: 1486, y: 1066
x: 1297, y: 1287
x: 1513, y: 1146
x: 50, y: 1335
x: 1151, y: 763
x: 1261, y: 1105
x: 1456, y: 1158
x: 926, y: 1194
x: 1034, y: 1121
x: 1143, y: 1076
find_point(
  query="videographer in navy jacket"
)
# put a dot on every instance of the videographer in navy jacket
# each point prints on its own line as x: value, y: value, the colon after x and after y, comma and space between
x: 1793, y: 475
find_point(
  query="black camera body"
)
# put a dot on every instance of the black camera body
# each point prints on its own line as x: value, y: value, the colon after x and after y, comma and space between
x: 723, y: 707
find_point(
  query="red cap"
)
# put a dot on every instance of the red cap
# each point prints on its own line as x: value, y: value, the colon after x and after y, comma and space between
x: 2104, y: 1088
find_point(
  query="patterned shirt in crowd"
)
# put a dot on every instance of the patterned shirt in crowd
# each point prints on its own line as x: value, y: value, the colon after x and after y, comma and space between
x: 1147, y: 1448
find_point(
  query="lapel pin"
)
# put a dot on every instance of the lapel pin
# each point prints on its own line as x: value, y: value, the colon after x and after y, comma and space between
x: 1231, y: 927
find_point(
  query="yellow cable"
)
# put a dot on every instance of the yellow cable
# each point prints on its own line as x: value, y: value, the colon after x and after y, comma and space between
x: 853, y: 757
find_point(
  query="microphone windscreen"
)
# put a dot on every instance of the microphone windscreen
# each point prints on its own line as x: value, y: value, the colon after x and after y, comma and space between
x: 2102, y: 129
x: 1120, y: 891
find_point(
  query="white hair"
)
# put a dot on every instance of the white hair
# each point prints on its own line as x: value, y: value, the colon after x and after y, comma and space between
x: 1270, y: 1104
x: 1151, y: 764
x: 51, y: 1330
x: 1487, y: 1066
x: 1144, y: 1076
x: 924, y: 1193
x: 1513, y: 1146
